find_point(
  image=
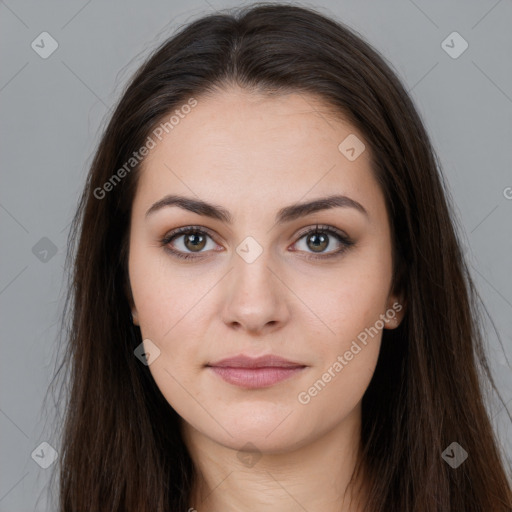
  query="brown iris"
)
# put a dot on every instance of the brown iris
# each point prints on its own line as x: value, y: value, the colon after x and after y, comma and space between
x: 321, y: 241
x: 197, y: 241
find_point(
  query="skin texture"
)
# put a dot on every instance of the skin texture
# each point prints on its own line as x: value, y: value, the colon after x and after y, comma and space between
x: 253, y: 155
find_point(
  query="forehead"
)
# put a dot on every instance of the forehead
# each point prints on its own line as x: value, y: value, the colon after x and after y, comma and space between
x: 255, y: 147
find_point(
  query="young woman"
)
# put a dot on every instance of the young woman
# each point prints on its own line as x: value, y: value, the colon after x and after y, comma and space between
x: 269, y: 307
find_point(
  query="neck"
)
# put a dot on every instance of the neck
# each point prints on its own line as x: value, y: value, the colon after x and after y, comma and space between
x: 314, y: 476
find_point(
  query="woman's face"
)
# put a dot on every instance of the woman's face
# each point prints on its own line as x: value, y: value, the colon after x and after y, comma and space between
x: 255, y: 284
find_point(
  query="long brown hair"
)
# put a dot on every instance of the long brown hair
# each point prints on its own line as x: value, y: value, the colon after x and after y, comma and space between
x: 121, y: 445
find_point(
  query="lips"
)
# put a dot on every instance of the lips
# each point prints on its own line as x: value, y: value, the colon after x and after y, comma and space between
x: 255, y: 372
x: 269, y: 361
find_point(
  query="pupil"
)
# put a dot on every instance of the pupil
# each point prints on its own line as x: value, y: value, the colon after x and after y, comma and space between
x: 192, y: 238
x: 320, y: 241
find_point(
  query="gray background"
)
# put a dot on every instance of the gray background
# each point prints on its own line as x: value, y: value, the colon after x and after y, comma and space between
x: 52, y: 112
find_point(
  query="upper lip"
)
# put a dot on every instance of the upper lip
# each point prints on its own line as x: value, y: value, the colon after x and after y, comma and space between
x: 242, y: 361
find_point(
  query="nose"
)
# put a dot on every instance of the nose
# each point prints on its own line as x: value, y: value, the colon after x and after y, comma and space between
x: 256, y: 299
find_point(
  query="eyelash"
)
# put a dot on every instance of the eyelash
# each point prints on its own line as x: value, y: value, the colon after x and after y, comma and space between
x: 188, y: 230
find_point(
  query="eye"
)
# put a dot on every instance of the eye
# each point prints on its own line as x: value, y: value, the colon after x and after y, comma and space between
x: 318, y: 240
x: 194, y: 239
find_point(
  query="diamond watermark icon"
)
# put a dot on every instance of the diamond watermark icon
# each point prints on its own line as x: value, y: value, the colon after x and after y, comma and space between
x: 454, y: 455
x: 351, y: 147
x: 249, y: 250
x: 44, y: 455
x: 248, y: 455
x: 44, y: 250
x: 44, y: 45
x: 454, y: 45
x: 147, y: 352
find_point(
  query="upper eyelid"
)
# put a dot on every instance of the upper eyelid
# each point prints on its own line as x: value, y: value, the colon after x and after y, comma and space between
x: 323, y: 227
x: 185, y: 229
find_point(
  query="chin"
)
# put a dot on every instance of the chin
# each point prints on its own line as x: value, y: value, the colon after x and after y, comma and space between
x: 276, y: 431
x: 261, y: 442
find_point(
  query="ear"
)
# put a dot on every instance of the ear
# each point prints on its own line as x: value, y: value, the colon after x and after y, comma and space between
x: 135, y: 317
x: 129, y: 297
x: 395, y: 311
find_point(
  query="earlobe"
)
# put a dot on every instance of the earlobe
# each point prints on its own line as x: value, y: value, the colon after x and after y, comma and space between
x: 129, y: 296
x: 395, y: 312
x: 392, y: 323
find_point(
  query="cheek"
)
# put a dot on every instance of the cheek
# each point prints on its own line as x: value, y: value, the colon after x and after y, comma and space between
x: 345, y: 301
x: 348, y: 329
x: 166, y: 315
x: 162, y: 297
x: 170, y: 307
x: 334, y: 394
x: 348, y: 355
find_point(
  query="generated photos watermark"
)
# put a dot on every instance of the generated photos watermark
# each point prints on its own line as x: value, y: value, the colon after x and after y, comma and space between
x: 304, y: 397
x: 150, y: 143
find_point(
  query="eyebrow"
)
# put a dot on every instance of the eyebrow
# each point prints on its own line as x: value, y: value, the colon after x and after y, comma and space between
x: 286, y: 214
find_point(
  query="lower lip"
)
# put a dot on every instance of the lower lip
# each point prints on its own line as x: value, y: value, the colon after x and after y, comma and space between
x: 254, y: 378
